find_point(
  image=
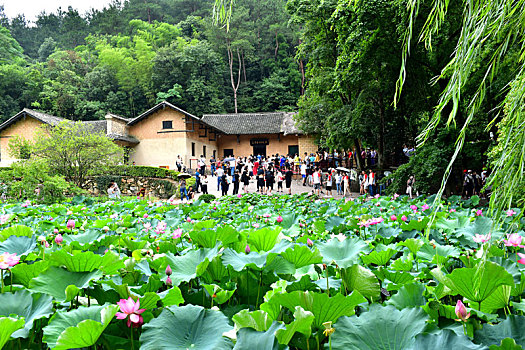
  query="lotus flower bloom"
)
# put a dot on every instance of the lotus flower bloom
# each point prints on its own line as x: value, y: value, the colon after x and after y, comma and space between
x: 404, y: 218
x: 59, y: 239
x: 413, y: 207
x: 55, y: 231
x: 279, y: 219
x: 481, y: 238
x: 510, y: 212
x: 514, y: 240
x: 8, y: 260
x: 113, y: 216
x: 161, y: 228
x: 70, y: 224
x: 377, y: 195
x: 370, y: 222
x: 395, y: 195
x: 461, y: 312
x: 188, y: 219
x: 309, y: 242
x: 69, y: 212
x: 177, y: 233
x: 266, y: 215
x: 425, y: 207
x: 147, y: 226
x: 24, y: 205
x: 130, y: 308
x: 4, y: 218
x: 393, y: 218
x: 168, y: 270
x: 239, y: 195
x: 479, y: 212
x: 247, y: 250
x: 522, y: 258
x: 145, y: 216
x: 452, y: 210
x: 256, y: 225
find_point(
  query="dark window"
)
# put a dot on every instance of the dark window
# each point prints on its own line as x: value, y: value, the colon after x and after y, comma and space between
x: 214, y: 154
x: 293, y: 150
x: 193, y: 149
x: 204, y: 151
x: 167, y: 124
x: 228, y: 152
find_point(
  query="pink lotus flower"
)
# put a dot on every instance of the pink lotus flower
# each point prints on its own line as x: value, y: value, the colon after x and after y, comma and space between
x: 393, y: 218
x: 425, y: 207
x: 481, y: 238
x: 113, y: 216
x: 452, y: 210
x: 130, y: 308
x: 69, y: 212
x: 55, y: 231
x: 377, y: 195
x: 168, y: 270
x: 169, y: 282
x: 4, y: 218
x: 395, y: 196
x: 461, y: 312
x: 177, y: 233
x: 266, y: 215
x: 145, y: 216
x: 404, y: 218
x: 214, y: 208
x: 147, y: 226
x: 70, y: 224
x: 161, y: 228
x: 188, y: 219
x: 24, y: 205
x: 59, y: 239
x: 256, y: 225
x: 279, y: 219
x: 514, y: 240
x: 510, y: 212
x: 309, y: 242
x: 522, y: 260
x: 239, y: 195
x: 8, y: 260
x: 247, y: 250
x: 479, y: 212
x: 413, y: 207
x: 370, y: 222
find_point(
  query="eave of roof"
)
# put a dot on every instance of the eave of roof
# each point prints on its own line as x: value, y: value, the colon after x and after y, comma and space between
x: 246, y: 123
x: 124, y: 138
x: 43, y: 117
x: 152, y: 110
x: 115, y: 116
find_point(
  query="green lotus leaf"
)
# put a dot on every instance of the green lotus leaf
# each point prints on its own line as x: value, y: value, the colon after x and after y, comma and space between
x: 379, y: 258
x: 512, y: 327
x: 248, y: 338
x: 24, y: 273
x: 381, y: 328
x: 78, y: 328
x: 265, y: 239
x: 323, y: 307
x: 301, y: 255
x: 62, y: 284
x: 258, y: 320
x: 30, y: 306
x: 357, y: 277
x: 409, y: 295
x: 209, y: 238
x: 18, y: 245
x: 9, y: 325
x: 239, y: 261
x: 172, y: 296
x: 17, y: 231
x: 445, y: 339
x: 506, y: 344
x: 345, y: 253
x: 302, y: 323
x: 218, y: 294
x: 186, y: 327
x: 185, y: 267
x: 437, y: 255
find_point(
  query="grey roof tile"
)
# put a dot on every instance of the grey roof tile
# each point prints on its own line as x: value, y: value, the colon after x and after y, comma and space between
x: 246, y: 123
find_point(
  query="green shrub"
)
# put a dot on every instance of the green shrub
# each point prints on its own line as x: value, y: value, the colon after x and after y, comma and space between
x: 207, y: 198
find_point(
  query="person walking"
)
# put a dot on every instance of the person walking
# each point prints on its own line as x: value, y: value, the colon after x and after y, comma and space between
x: 204, y: 184
x: 183, y: 190
x: 245, y: 179
x: 338, y: 180
x: 288, y: 175
x: 197, y: 180
x: 316, y: 178
x: 371, y: 183
x: 235, y: 181
x: 329, y: 180
x: 410, y: 185
x: 346, y: 184
x: 224, y: 184
x: 280, y: 179
x: 219, y: 172
x: 362, y: 182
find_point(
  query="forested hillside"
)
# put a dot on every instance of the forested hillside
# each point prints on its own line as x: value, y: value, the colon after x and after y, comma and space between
x: 129, y: 55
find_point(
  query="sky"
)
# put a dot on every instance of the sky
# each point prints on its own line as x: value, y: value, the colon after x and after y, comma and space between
x: 31, y: 8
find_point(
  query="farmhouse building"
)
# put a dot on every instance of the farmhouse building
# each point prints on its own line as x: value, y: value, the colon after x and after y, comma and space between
x: 157, y: 136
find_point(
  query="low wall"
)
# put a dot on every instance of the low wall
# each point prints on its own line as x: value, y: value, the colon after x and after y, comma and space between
x: 131, y: 185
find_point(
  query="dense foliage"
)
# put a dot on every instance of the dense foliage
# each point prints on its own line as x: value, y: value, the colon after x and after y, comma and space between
x: 129, y: 55
x: 261, y: 272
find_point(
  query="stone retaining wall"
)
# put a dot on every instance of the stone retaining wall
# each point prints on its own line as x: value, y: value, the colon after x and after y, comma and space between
x: 130, y: 186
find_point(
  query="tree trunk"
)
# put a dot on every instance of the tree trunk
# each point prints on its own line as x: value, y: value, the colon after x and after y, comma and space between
x: 235, y: 86
x: 360, y: 164
x: 382, y: 162
x: 276, y: 45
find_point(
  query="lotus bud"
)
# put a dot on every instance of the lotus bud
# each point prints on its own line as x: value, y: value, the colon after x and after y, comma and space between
x: 461, y: 311
x: 55, y: 231
x: 309, y: 242
x: 393, y: 218
x: 145, y: 216
x: 59, y: 239
x: 247, y: 249
x: 169, y: 282
x: 168, y: 270
x: 105, y: 229
x: 279, y: 219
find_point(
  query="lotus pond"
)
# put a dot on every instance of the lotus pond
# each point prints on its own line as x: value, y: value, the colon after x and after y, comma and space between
x: 261, y: 272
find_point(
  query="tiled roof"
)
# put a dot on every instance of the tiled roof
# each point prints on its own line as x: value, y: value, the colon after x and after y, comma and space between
x: 125, y: 138
x: 152, y: 110
x: 43, y: 117
x: 96, y: 125
x: 289, y: 126
x: 246, y: 123
x: 115, y: 116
